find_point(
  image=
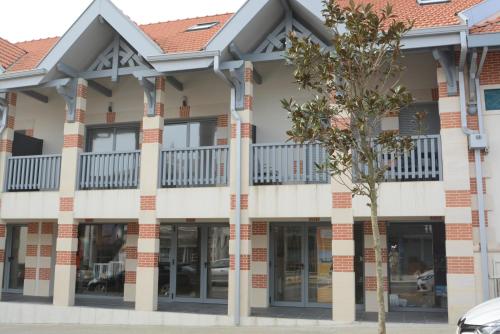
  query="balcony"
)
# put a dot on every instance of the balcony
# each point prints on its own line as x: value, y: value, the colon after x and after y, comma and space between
x: 194, y: 167
x: 112, y: 170
x: 33, y: 173
x: 276, y: 164
x: 422, y: 163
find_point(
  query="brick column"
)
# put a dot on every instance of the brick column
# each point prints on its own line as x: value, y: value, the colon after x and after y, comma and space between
x: 131, y: 261
x: 343, y: 280
x: 371, y: 303
x: 246, y: 248
x: 222, y: 130
x: 148, y: 244
x: 458, y: 215
x: 67, y: 236
x: 38, y: 270
x: 5, y: 152
x: 260, y: 264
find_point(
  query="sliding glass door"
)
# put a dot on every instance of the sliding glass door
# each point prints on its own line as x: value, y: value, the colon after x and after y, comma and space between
x: 15, y: 254
x: 194, y: 263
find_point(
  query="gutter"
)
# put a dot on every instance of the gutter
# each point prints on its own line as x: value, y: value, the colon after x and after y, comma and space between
x: 22, y: 74
x: 183, y: 56
x: 237, y: 256
x: 479, y: 182
x: 477, y: 142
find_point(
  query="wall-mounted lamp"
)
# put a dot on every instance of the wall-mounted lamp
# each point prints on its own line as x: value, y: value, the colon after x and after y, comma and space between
x: 110, y: 107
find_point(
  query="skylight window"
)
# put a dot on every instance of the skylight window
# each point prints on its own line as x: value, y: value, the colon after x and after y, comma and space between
x: 428, y: 2
x: 202, y: 26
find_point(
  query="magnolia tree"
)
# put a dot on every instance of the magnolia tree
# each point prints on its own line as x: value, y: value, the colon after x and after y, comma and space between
x: 354, y: 84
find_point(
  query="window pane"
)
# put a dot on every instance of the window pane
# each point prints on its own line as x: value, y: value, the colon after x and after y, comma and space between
x: 101, y: 140
x: 194, y: 134
x: 207, y: 132
x: 166, y: 237
x: 492, y: 99
x: 101, y: 259
x: 175, y: 136
x: 126, y: 139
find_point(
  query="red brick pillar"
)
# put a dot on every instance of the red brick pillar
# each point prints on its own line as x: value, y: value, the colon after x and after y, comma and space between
x: 371, y: 304
x: 458, y: 214
x: 148, y: 244
x: 67, y: 235
x: 343, y: 280
x: 260, y: 264
x: 131, y: 261
x: 3, y: 231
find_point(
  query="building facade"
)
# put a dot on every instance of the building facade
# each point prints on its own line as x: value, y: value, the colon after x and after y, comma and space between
x: 149, y: 165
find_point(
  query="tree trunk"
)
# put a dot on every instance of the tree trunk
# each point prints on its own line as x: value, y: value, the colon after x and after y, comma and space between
x: 378, y: 261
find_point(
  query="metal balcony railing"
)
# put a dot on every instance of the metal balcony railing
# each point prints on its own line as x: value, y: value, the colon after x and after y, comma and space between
x: 194, y: 167
x: 113, y: 170
x: 32, y: 173
x: 287, y: 164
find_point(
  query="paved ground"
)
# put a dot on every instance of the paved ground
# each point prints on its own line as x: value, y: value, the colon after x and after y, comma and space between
x: 354, y: 329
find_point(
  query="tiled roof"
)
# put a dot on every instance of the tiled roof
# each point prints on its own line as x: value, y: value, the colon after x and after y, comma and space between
x: 171, y: 36
x: 9, y: 53
x: 488, y: 26
x: 427, y: 15
x: 35, y: 51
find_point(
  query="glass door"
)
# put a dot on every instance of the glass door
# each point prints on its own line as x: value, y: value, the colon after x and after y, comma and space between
x: 15, y: 258
x: 301, y: 265
x: 288, y: 265
x: 188, y: 276
x: 194, y: 263
x: 217, y: 263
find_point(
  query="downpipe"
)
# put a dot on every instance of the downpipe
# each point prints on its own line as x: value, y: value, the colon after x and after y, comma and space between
x: 477, y: 156
x: 237, y: 264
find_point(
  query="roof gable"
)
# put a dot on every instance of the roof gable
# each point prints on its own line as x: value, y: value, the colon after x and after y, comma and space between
x: 101, y: 9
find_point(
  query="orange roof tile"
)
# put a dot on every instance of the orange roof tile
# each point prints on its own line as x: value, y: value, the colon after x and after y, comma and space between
x: 425, y: 16
x: 9, y: 53
x: 490, y: 25
x: 171, y: 36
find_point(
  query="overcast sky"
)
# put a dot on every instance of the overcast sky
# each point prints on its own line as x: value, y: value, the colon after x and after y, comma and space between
x: 33, y: 19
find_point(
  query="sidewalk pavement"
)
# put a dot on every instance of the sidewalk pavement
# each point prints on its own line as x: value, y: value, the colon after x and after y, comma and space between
x: 361, y: 328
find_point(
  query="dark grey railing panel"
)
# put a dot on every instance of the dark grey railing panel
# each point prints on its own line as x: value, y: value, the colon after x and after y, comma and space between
x: 30, y: 173
x: 113, y: 170
x: 421, y: 163
x: 195, y: 167
x: 288, y: 164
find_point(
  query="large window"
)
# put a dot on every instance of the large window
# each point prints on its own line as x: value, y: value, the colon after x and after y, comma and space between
x: 113, y: 138
x: 417, y: 265
x: 189, y: 134
x: 101, y: 259
x: 492, y: 99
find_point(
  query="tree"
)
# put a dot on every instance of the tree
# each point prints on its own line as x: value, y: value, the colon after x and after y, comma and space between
x: 354, y: 84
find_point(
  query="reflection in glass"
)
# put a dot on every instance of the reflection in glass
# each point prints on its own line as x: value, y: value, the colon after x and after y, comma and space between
x: 101, y: 259
x: 126, y: 139
x: 416, y: 278
x: 288, y: 265
x: 320, y: 264
x: 188, y: 262
x: 101, y: 140
x: 17, y: 257
x: 166, y: 235
x: 175, y: 136
x: 218, y: 262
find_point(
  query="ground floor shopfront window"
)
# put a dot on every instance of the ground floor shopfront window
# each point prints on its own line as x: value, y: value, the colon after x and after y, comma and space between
x: 417, y: 266
x: 194, y: 263
x: 101, y: 259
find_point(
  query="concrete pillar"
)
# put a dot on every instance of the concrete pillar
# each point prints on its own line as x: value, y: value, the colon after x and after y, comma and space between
x: 131, y: 261
x: 371, y: 303
x: 458, y: 215
x: 246, y: 248
x: 5, y: 152
x: 343, y: 280
x: 148, y: 244
x: 67, y: 232
x: 260, y: 264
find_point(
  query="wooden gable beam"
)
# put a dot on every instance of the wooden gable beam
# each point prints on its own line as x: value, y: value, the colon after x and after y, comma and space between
x: 37, y: 96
